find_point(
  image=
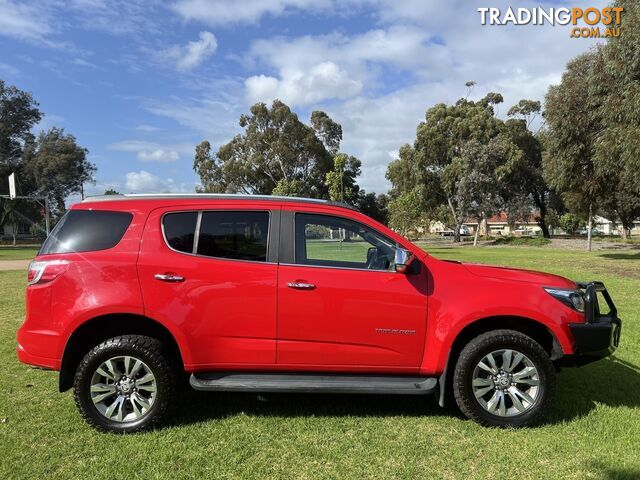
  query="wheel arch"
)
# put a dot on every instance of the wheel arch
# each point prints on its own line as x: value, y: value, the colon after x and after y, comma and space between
x: 528, y: 326
x: 98, y: 329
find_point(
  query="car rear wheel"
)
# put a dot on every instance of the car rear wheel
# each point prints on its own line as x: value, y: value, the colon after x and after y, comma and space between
x: 504, y: 378
x: 125, y: 384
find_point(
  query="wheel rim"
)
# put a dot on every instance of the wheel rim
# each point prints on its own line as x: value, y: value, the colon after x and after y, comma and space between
x: 506, y: 383
x: 123, y: 389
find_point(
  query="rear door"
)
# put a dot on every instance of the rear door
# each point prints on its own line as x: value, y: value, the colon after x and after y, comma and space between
x: 340, y: 301
x: 212, y: 272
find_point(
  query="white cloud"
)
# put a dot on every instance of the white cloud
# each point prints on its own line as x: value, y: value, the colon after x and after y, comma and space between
x: 145, y: 182
x: 297, y: 87
x: 191, y: 55
x: 147, y: 128
x: 158, y: 155
x: 152, y: 151
x: 7, y: 69
x: 23, y: 21
x: 311, y: 69
x: 224, y: 12
x: 211, y: 116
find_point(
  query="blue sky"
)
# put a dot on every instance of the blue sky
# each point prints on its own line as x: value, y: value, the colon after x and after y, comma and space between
x: 140, y: 83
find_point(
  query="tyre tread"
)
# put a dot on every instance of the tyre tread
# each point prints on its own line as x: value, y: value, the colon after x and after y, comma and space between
x: 165, y: 371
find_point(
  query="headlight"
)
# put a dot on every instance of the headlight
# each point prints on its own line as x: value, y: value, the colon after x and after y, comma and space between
x: 571, y: 298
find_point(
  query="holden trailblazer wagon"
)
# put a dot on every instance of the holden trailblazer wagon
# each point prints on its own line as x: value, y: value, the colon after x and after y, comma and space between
x: 132, y: 294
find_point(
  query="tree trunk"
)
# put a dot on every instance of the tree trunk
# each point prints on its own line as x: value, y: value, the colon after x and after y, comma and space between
x: 589, y: 227
x: 456, y: 232
x: 544, y: 228
x: 623, y: 234
x: 539, y: 201
x: 15, y: 234
x: 475, y: 237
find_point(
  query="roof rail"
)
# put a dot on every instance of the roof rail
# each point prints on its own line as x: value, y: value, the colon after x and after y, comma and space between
x: 212, y: 196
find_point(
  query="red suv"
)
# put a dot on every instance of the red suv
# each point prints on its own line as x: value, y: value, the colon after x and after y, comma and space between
x: 269, y: 294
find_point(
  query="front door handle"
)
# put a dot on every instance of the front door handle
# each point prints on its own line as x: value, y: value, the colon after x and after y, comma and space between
x: 168, y: 277
x: 301, y: 285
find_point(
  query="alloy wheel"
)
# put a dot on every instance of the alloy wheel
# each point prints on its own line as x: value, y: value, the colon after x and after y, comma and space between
x: 506, y: 383
x: 123, y: 389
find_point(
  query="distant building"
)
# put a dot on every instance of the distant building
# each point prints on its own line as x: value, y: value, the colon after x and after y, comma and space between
x: 498, y: 225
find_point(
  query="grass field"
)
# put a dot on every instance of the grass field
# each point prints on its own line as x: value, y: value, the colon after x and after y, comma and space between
x: 17, y: 253
x: 593, y: 430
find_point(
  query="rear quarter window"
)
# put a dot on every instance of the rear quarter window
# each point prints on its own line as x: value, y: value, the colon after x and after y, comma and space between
x: 86, y: 231
x: 179, y: 230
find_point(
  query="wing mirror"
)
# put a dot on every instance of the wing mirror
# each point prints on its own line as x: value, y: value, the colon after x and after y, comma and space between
x: 402, y: 260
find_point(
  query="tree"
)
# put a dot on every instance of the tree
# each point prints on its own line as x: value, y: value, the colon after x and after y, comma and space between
x: 341, y: 181
x: 594, y: 126
x: 574, y: 118
x: 433, y: 168
x: 111, y: 191
x: 275, y: 153
x: 11, y: 217
x: 327, y: 130
x: 623, y: 204
x: 18, y: 115
x: 57, y: 166
x: 617, y: 150
x: 374, y: 206
x: 524, y: 181
x: 405, y: 213
x: 480, y: 170
x: 528, y: 109
x: 570, y: 222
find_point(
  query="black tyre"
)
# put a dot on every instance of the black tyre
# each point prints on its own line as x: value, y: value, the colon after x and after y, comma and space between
x: 125, y: 384
x: 504, y: 378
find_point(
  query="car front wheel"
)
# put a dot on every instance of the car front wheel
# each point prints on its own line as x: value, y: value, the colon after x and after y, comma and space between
x: 504, y: 378
x: 125, y: 384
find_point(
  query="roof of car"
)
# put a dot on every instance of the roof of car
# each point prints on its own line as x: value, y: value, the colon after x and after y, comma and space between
x: 212, y: 196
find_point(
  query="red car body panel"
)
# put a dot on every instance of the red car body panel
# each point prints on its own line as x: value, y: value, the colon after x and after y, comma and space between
x: 240, y: 315
x: 225, y: 310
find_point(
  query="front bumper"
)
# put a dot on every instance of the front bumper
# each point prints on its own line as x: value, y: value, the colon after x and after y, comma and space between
x: 599, y: 336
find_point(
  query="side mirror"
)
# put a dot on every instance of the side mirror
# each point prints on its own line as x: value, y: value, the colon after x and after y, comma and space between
x: 402, y: 260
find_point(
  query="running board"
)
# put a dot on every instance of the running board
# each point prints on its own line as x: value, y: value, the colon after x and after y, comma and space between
x: 312, y: 383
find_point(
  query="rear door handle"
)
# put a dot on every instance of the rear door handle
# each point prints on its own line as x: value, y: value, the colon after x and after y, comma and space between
x: 168, y: 277
x: 301, y: 285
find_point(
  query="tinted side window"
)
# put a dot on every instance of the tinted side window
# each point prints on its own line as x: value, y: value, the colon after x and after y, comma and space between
x: 179, y: 230
x: 234, y: 235
x: 338, y: 242
x: 86, y: 230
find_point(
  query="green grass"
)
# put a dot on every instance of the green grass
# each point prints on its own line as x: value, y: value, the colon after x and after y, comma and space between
x: 522, y: 241
x: 593, y: 430
x: 17, y: 253
x: 353, y: 251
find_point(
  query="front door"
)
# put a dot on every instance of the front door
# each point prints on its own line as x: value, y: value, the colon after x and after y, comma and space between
x: 211, y: 274
x: 340, y: 300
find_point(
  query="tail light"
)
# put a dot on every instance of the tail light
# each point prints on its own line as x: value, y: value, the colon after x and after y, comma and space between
x: 45, y: 271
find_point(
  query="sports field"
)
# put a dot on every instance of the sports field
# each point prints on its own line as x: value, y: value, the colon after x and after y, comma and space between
x: 593, y: 431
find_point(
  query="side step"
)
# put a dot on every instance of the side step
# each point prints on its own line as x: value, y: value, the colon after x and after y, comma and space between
x: 312, y: 383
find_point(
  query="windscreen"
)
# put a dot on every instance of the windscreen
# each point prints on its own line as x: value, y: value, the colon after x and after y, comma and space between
x: 85, y: 231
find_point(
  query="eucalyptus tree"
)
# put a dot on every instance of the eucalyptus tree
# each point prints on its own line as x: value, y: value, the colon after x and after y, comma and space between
x: 593, y: 118
x: 433, y: 168
x: 275, y: 153
x: 342, y: 179
x: 618, y: 148
x: 57, y: 166
x: 574, y: 118
x: 524, y: 183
